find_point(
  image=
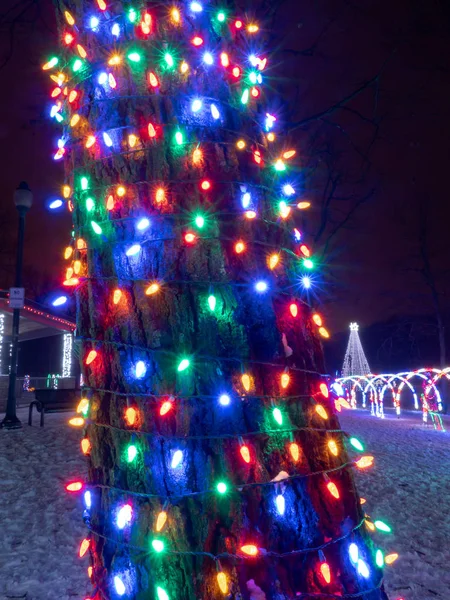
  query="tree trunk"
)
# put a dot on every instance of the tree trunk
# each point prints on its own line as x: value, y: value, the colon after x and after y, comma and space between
x: 246, y: 333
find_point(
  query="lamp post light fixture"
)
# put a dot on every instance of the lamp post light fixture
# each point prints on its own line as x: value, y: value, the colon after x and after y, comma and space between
x: 23, y: 199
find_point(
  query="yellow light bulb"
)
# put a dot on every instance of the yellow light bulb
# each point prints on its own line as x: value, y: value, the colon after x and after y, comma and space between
x: 240, y: 144
x: 121, y: 191
x: 69, y: 17
x: 184, y: 68
x: 391, y: 558
x: 175, y: 15
x: 161, y: 520
x: 321, y: 411
x: 114, y: 60
x: 246, y: 381
x: 160, y: 195
x: 117, y: 296
x: 77, y: 267
x: 68, y: 252
x: 90, y: 141
x: 324, y: 332
x: 74, y: 120
x: 132, y: 139
x: 274, y: 259
x: 370, y: 526
x: 85, y: 445
x: 152, y: 289
x: 66, y: 191
x: 294, y: 449
x: 83, y: 405
x: 271, y: 137
x: 223, y: 583
x: 332, y: 446
x: 76, y: 422
x: 197, y: 156
x: 285, y: 379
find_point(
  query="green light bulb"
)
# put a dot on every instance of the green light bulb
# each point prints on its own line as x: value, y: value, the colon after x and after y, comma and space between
x: 199, y: 221
x: 77, y: 65
x: 253, y: 77
x: 96, y: 227
x: 212, y: 302
x: 184, y: 364
x: 84, y: 182
x: 356, y: 444
x: 179, y: 138
x: 131, y: 453
x: 169, y: 60
x: 245, y: 96
x: 162, y: 594
x: 222, y: 487
x: 381, y: 526
x: 221, y: 16
x: 90, y: 204
x: 134, y: 57
x: 158, y: 545
x: 308, y: 263
x: 278, y: 416
x: 379, y: 559
x: 132, y: 15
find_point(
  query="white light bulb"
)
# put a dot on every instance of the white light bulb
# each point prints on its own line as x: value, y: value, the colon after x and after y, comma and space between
x: 124, y: 516
x: 208, y: 58
x: 119, y: 585
x: 143, y: 224
x: 177, y: 459
x: 215, y: 112
x: 141, y: 369
x: 354, y: 553
x: 196, y: 105
x: 281, y: 504
x: 133, y: 250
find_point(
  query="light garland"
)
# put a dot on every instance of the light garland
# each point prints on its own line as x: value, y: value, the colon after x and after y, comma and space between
x: 2, y: 335
x: 378, y: 385
x: 196, y: 224
x: 67, y: 355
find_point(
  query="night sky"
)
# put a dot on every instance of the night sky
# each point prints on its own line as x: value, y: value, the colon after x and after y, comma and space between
x: 325, y: 51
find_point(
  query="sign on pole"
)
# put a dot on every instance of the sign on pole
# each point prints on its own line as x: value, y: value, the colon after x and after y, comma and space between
x: 16, y: 297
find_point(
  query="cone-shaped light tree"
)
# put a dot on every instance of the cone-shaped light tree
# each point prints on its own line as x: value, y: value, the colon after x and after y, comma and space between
x: 217, y: 466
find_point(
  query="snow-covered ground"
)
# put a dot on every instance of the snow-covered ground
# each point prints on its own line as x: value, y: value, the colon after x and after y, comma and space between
x: 408, y: 488
x: 41, y: 526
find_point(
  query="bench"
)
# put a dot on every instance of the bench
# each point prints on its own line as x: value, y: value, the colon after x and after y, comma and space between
x: 51, y: 401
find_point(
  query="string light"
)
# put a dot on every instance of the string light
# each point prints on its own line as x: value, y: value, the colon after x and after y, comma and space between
x: 134, y: 141
x: 161, y: 521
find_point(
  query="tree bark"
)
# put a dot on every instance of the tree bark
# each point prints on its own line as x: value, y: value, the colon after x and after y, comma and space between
x: 246, y: 332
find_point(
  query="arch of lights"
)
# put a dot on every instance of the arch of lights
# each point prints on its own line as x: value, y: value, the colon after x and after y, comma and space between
x: 374, y: 388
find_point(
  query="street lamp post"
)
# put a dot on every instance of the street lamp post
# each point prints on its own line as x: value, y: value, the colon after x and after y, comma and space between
x: 23, y: 199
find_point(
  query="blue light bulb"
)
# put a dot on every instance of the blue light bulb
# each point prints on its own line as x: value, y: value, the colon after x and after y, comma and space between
x: 59, y: 301
x: 224, y: 399
x: 261, y: 287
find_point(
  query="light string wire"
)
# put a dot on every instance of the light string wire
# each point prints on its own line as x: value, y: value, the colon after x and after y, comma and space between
x: 204, y: 357
x: 224, y: 436
x: 239, y: 487
x: 228, y: 555
x: 188, y: 396
x: 80, y: 192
